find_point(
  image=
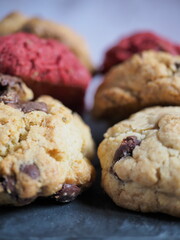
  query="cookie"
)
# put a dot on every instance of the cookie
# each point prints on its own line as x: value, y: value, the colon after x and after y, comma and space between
x: 140, y: 160
x: 137, y: 43
x: 13, y: 90
x: 147, y: 79
x: 178, y: 48
x: 45, y: 151
x: 12, y: 23
x: 17, y: 22
x: 46, y: 66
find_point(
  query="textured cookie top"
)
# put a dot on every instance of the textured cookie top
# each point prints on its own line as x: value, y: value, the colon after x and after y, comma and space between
x: 136, y: 43
x: 145, y: 149
x: 149, y: 78
x: 42, y: 60
x: 17, y: 22
x: 42, y: 151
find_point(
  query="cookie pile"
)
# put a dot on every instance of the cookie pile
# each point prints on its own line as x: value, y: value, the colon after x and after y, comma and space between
x: 18, y: 22
x: 46, y: 149
x: 137, y: 43
x: 149, y: 76
x: 140, y: 156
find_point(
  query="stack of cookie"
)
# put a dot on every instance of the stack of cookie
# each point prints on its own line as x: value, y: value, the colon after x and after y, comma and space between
x: 140, y: 156
x: 51, y: 58
x: 45, y: 149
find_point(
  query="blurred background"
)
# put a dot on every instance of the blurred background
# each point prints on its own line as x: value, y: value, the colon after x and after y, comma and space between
x: 103, y: 22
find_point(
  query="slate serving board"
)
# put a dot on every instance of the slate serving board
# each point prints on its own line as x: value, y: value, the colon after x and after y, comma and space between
x: 91, y: 216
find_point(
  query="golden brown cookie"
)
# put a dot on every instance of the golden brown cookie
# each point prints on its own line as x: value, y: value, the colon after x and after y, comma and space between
x: 140, y: 160
x: 17, y: 22
x: 45, y: 150
x: 12, y: 23
x: 147, y: 79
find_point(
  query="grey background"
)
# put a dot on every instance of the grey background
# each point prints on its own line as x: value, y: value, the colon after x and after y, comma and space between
x: 93, y: 215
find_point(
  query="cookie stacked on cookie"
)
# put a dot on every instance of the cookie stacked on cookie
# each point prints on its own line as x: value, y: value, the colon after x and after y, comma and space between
x: 142, y: 70
x: 45, y: 148
x: 140, y: 156
x: 136, y: 43
x: 18, y: 22
x: 46, y: 66
x: 147, y: 79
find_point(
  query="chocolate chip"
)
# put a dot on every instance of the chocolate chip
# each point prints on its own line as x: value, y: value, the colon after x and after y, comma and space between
x: 31, y: 170
x: 10, y: 89
x: 177, y: 65
x: 68, y: 193
x: 7, y: 80
x: 8, y: 184
x: 3, y: 88
x: 33, y: 106
x: 126, y: 148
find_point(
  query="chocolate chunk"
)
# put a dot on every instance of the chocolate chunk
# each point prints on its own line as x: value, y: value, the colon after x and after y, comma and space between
x: 8, y: 184
x: 33, y: 106
x: 7, y: 80
x: 10, y: 88
x: 30, y: 106
x: 31, y: 170
x: 3, y: 87
x: 177, y: 65
x: 68, y: 193
x: 11, y: 91
x: 126, y: 148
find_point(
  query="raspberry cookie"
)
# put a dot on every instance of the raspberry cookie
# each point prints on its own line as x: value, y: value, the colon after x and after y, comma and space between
x: 45, y: 150
x: 140, y: 159
x: 147, y: 79
x: 46, y: 66
x: 17, y: 22
x: 137, y: 43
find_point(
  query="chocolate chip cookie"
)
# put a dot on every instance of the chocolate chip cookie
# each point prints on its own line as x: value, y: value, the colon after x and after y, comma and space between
x: 140, y: 159
x: 17, y: 22
x: 45, y: 150
x: 13, y: 90
x: 147, y: 79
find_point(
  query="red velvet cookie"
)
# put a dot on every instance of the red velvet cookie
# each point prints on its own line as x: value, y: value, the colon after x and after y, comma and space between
x: 137, y: 43
x: 46, y: 66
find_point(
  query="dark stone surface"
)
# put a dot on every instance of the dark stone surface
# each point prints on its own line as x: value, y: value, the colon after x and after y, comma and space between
x: 91, y: 216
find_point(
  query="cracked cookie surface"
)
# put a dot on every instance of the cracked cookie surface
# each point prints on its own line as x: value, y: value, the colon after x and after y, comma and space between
x: 140, y: 160
x: 147, y: 79
x: 45, y: 150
